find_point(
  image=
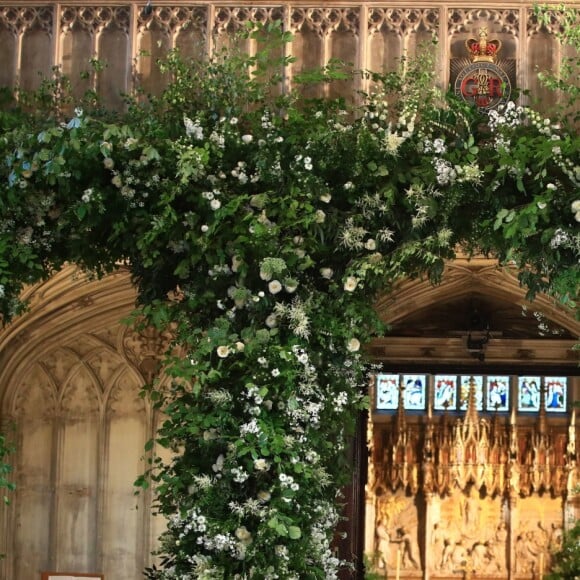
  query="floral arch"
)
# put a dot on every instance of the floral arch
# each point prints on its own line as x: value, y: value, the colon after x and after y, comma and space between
x: 258, y: 229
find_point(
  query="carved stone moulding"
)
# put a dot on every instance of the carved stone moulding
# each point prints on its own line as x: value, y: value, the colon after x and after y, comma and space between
x: 171, y: 19
x: 323, y: 21
x: 94, y: 19
x: 554, y: 26
x: 464, y: 19
x: 234, y: 18
x: 403, y: 20
x: 20, y: 19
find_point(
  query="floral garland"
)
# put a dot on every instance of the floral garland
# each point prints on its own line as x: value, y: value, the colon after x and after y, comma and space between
x: 261, y: 238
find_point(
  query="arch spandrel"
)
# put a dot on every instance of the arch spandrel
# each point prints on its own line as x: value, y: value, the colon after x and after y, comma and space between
x: 464, y: 278
x: 71, y: 388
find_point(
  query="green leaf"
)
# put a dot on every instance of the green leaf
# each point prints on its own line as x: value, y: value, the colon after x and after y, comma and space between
x: 294, y: 532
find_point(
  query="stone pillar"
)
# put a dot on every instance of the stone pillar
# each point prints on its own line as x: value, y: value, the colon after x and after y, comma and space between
x: 432, y: 518
x: 514, y: 524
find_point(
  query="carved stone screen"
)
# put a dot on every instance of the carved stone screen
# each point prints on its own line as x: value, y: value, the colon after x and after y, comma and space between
x: 114, y: 48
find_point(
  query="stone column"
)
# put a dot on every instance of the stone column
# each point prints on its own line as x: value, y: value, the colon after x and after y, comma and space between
x: 432, y: 517
x: 514, y: 524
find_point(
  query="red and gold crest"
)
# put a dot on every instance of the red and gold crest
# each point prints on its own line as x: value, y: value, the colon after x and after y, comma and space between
x: 483, y: 82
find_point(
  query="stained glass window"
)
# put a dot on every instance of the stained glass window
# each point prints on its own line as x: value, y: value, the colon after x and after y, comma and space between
x: 528, y: 394
x: 555, y: 394
x: 445, y: 392
x: 387, y: 391
x: 498, y: 393
x: 464, y: 391
x: 415, y: 389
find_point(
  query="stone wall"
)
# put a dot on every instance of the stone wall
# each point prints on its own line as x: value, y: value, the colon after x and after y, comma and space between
x: 128, y: 39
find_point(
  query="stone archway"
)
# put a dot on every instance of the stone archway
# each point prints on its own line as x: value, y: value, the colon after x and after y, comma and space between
x: 412, y: 511
x: 70, y: 380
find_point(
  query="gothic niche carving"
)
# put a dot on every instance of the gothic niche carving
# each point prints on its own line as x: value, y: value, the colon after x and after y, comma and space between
x: 453, y: 497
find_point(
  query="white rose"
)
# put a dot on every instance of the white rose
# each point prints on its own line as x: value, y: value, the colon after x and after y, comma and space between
x: 274, y: 287
x: 371, y: 245
x: 204, y: 228
x: 223, y: 351
x: 320, y: 216
x: 240, y: 346
x: 265, y: 275
x: 244, y: 535
x: 353, y: 345
x: 326, y: 198
x: 215, y: 204
x: 261, y: 465
x: 350, y: 284
x: 576, y: 206
x: 264, y: 495
x: 247, y: 139
x: 326, y: 273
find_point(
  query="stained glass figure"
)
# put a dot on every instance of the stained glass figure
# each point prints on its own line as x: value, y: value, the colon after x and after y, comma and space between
x: 464, y: 392
x: 387, y: 391
x: 445, y: 392
x: 498, y: 390
x: 555, y: 394
x: 528, y: 393
x: 414, y: 392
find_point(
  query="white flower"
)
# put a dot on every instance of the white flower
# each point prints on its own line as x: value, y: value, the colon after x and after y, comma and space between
x: 326, y: 273
x: 348, y: 185
x: 542, y: 204
x: 236, y: 262
x: 264, y: 495
x: 247, y: 139
x: 234, y: 121
x: 275, y: 373
x: 326, y: 198
x: 244, y: 535
x: 219, y: 464
x: 215, y: 204
x: 223, y: 351
x: 272, y: 321
x: 371, y: 244
x: 350, y: 284
x: 274, y: 287
x: 240, y: 346
x: 320, y: 216
x: 576, y: 206
x: 353, y: 345
x: 261, y: 465
x: 551, y: 187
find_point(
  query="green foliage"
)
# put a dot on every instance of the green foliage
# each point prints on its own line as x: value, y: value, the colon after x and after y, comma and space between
x: 5, y: 468
x: 565, y: 80
x: 259, y: 229
x: 566, y: 562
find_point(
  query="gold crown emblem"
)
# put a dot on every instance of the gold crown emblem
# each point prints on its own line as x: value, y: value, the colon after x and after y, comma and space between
x: 481, y: 49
